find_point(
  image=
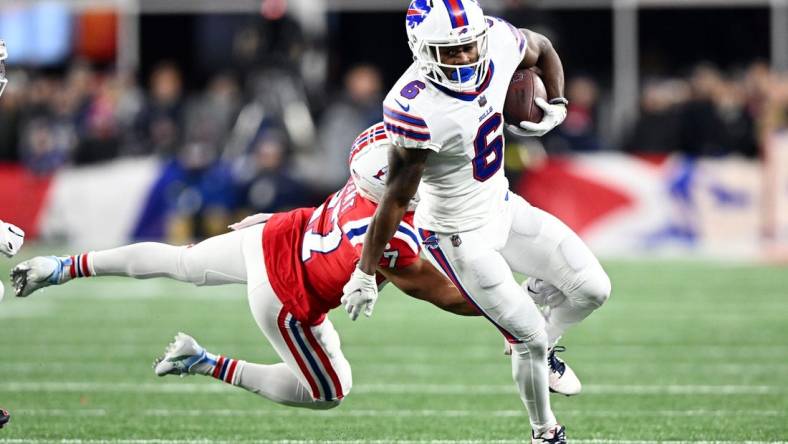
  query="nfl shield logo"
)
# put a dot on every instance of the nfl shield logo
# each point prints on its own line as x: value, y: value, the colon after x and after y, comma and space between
x: 482, y: 101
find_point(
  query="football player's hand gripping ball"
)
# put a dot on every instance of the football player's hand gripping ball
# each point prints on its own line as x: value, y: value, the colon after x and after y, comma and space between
x: 554, y: 115
x: 360, y: 294
x: 11, y: 239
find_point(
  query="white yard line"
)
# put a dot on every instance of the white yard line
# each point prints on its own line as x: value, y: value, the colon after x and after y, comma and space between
x: 60, y: 412
x: 376, y: 441
x: 390, y: 389
x: 463, y: 413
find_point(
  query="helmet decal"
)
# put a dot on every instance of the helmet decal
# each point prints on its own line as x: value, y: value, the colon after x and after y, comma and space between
x: 417, y: 12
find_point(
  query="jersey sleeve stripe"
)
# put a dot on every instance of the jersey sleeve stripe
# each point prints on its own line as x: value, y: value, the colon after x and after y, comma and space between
x: 408, y: 134
x: 356, y: 233
x: 517, y: 33
x: 356, y: 230
x: 409, y: 237
x: 404, y: 118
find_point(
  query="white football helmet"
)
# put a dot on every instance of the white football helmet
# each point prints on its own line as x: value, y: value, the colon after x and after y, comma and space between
x: 3, y: 56
x: 433, y: 25
x: 369, y: 164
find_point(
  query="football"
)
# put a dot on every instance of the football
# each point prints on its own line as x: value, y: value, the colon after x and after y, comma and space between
x: 525, y: 86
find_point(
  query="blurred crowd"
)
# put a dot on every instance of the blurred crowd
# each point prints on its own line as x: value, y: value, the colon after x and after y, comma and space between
x: 235, y: 147
x: 707, y: 113
x: 261, y: 144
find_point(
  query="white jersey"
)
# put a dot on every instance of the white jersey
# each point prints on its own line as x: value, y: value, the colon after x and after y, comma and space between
x: 463, y: 182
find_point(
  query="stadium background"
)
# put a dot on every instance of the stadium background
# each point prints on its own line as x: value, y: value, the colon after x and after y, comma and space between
x: 133, y: 119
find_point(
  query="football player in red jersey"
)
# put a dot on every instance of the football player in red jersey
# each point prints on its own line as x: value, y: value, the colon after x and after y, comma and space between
x: 294, y: 265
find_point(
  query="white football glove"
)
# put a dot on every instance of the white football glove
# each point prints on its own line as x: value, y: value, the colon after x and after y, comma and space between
x: 248, y: 221
x: 360, y: 293
x: 553, y: 116
x: 11, y: 239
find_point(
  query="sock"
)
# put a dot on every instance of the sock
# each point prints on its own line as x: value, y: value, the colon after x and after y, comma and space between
x: 531, y: 376
x: 80, y: 265
x: 225, y: 369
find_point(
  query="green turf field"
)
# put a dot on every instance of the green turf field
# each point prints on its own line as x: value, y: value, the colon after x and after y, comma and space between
x: 682, y: 352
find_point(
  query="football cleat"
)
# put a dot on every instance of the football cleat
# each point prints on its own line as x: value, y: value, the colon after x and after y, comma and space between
x: 183, y: 356
x: 39, y: 272
x: 554, y: 435
x: 562, y: 378
x: 4, y: 417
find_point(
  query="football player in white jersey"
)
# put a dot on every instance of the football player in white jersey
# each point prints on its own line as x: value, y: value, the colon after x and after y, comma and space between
x: 444, y: 118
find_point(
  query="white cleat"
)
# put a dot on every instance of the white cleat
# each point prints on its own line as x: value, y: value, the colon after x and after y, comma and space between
x: 39, y: 272
x: 183, y: 356
x: 562, y: 378
x: 554, y: 435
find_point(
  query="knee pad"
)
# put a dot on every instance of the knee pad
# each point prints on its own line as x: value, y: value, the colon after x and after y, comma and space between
x: 525, y: 322
x: 535, y: 346
x: 594, y: 291
x: 575, y: 253
x: 192, y: 274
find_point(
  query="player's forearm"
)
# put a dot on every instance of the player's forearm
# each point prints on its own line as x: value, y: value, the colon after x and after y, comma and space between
x: 381, y: 229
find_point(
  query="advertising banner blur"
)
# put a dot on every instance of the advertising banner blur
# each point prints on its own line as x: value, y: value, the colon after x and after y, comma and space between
x: 622, y: 205
x: 777, y: 190
x: 630, y: 206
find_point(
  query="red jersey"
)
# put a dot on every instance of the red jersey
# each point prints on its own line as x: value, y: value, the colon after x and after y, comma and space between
x: 311, y: 252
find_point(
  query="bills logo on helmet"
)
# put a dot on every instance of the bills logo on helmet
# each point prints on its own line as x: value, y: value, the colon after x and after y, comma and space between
x: 417, y: 12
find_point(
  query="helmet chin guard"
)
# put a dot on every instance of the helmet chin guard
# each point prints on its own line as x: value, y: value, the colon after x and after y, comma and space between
x: 3, y: 56
x: 433, y: 26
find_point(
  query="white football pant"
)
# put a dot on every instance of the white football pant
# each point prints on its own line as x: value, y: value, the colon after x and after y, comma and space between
x: 524, y: 239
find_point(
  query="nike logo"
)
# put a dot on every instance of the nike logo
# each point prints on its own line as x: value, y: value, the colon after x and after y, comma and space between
x: 404, y: 108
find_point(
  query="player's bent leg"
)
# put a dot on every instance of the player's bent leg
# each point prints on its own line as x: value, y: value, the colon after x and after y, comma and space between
x: 319, y: 375
x: 483, y: 277
x: 314, y: 373
x: 543, y: 247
